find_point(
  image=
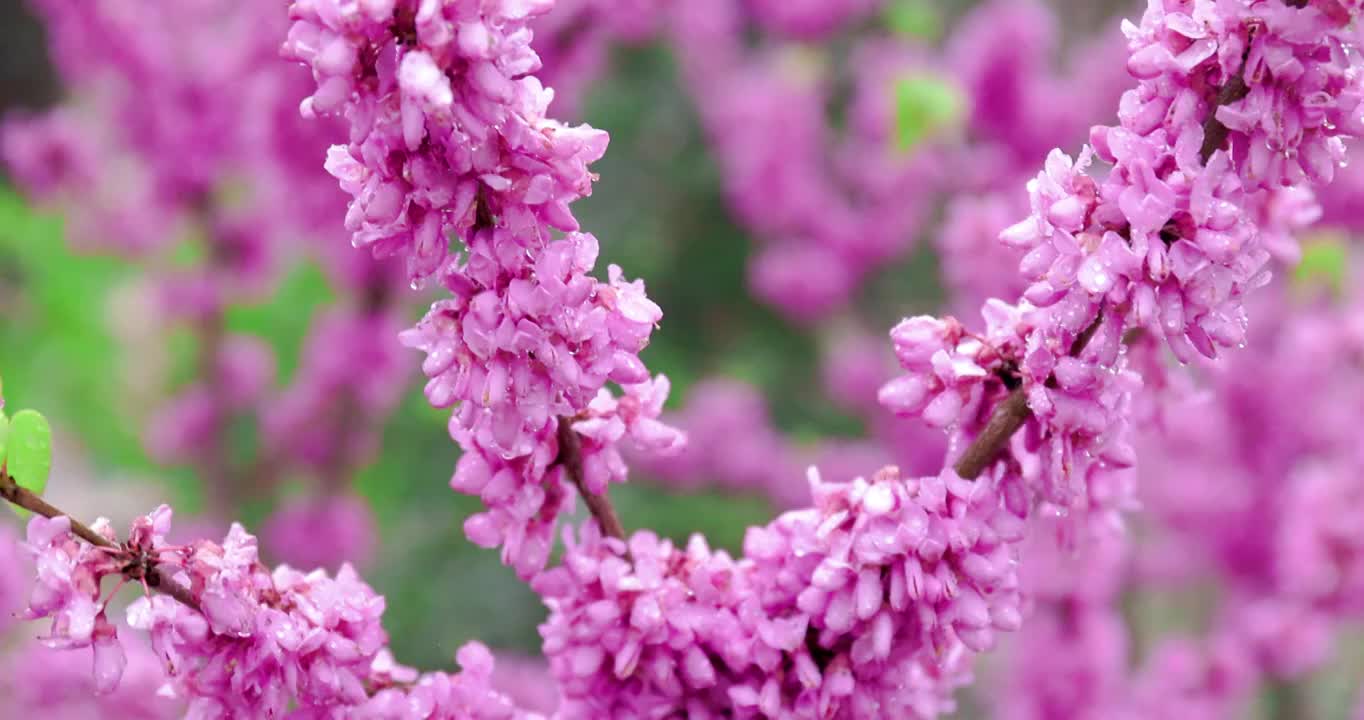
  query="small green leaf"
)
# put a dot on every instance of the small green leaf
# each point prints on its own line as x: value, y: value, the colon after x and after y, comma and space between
x: 924, y: 106
x: 29, y: 450
x: 1324, y: 260
x: 913, y: 18
x: 4, y: 434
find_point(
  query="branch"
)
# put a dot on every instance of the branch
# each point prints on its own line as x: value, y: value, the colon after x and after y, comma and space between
x: 26, y: 499
x: 1004, y: 422
x: 571, y: 457
x: 1214, y: 132
x: 1009, y: 417
x: 1011, y: 414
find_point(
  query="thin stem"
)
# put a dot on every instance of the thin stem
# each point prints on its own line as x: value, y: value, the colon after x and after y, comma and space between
x: 26, y: 499
x: 571, y: 458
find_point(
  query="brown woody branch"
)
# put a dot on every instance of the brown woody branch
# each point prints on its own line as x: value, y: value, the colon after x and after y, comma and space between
x: 1214, y: 132
x: 26, y: 499
x: 571, y: 458
x: 1008, y: 417
x: 1004, y: 422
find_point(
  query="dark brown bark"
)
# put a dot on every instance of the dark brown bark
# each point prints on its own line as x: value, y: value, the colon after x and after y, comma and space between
x: 571, y: 458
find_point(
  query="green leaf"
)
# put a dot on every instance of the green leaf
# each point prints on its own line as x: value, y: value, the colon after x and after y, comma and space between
x: 913, y: 18
x: 29, y: 450
x: 4, y: 434
x: 1324, y: 261
x: 924, y: 106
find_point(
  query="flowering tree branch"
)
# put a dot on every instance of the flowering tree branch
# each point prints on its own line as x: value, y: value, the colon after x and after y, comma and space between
x: 870, y: 602
x: 137, y: 569
x: 310, y: 641
x: 1014, y: 412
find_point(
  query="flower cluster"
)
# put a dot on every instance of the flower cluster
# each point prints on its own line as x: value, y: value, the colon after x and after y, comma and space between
x: 236, y: 638
x: 1265, y: 446
x: 1168, y: 242
x: 1233, y: 99
x: 449, y: 138
x: 68, y: 588
x: 446, y: 125
x: 867, y: 605
x: 306, y: 638
x: 898, y: 577
x: 873, y: 600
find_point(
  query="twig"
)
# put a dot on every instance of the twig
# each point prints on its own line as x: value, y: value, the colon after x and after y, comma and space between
x: 1003, y: 423
x: 571, y: 458
x: 26, y: 499
x: 1214, y: 132
x: 1008, y: 418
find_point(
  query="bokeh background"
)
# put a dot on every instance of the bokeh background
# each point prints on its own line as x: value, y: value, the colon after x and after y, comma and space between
x: 78, y: 340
